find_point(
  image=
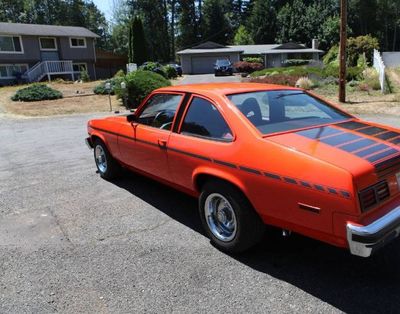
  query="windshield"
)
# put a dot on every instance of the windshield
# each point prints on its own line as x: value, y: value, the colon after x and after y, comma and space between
x: 223, y: 62
x: 285, y: 110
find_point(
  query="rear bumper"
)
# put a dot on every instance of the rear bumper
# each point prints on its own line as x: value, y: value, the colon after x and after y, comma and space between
x: 89, y: 142
x: 365, y: 240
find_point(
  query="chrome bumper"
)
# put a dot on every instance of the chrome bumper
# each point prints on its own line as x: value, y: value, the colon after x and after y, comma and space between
x: 364, y: 240
x: 89, y: 143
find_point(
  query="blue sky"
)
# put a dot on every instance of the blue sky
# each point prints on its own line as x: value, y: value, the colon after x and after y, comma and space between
x: 105, y: 6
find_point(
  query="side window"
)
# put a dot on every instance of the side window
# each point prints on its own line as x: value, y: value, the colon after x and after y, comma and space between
x: 203, y: 119
x: 159, y: 111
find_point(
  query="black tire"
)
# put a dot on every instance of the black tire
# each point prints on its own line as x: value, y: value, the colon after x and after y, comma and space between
x: 112, y: 168
x: 249, y: 226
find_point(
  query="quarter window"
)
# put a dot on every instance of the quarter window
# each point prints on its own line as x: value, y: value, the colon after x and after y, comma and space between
x: 78, y: 42
x: 159, y: 111
x: 203, y: 119
x: 10, y: 44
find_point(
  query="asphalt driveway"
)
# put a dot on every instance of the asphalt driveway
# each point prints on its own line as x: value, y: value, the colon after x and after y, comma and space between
x: 207, y: 78
x: 74, y: 243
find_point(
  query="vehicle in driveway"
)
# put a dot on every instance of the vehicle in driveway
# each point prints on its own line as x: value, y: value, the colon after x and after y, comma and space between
x: 256, y: 155
x: 223, y: 67
x: 177, y: 67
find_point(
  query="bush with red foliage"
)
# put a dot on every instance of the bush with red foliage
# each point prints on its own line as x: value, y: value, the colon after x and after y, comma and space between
x: 280, y: 79
x: 247, y: 67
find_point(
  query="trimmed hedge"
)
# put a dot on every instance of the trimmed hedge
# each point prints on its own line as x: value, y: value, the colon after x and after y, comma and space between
x: 247, y: 67
x: 295, y: 62
x: 139, y: 84
x: 36, y: 92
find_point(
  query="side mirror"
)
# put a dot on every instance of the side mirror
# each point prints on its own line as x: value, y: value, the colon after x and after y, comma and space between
x: 131, y: 118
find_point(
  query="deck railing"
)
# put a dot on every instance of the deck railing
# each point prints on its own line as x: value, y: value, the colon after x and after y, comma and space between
x: 41, y: 69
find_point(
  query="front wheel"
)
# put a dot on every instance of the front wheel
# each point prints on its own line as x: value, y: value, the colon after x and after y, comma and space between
x: 228, y: 218
x: 107, y: 166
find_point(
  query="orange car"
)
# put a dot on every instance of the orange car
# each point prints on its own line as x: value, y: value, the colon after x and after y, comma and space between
x: 259, y: 154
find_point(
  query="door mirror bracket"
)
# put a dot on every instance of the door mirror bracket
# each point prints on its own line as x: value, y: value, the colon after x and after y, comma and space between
x: 131, y: 118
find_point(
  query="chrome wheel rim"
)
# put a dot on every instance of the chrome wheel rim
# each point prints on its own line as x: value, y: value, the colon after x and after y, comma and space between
x: 100, y: 157
x: 220, y: 217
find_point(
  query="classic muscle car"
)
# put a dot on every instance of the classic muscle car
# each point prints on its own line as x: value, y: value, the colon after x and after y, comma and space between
x: 257, y: 155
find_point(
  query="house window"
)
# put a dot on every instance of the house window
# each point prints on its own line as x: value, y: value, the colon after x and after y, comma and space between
x: 48, y: 43
x: 12, y: 70
x: 10, y: 44
x: 79, y: 67
x: 77, y: 42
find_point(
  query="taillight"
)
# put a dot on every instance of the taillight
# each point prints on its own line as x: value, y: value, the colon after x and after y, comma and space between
x: 373, y: 195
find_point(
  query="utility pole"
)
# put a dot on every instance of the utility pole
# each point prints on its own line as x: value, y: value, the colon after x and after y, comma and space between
x: 342, y: 54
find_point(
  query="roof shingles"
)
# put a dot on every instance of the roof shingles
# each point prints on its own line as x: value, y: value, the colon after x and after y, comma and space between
x: 45, y: 30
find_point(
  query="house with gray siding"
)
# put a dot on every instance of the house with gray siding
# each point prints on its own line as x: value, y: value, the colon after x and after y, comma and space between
x: 200, y: 59
x: 32, y: 52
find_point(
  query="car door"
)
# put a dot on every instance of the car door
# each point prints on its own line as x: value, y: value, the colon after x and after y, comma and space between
x: 143, y: 144
x: 203, y: 137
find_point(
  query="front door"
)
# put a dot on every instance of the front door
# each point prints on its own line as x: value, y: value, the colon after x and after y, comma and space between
x: 143, y: 144
x: 48, y: 49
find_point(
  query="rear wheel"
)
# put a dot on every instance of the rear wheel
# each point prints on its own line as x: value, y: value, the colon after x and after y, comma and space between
x: 107, y: 166
x: 228, y: 217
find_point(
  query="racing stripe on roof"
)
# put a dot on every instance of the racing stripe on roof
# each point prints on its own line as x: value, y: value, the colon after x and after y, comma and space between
x: 344, y: 139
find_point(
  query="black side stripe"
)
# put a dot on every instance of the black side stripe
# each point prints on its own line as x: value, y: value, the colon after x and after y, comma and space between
x: 254, y: 171
x: 189, y: 154
x: 224, y: 163
x: 288, y: 180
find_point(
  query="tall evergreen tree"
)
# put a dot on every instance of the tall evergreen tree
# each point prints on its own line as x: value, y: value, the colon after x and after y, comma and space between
x: 262, y: 21
x: 215, y: 24
x: 187, y: 24
x: 139, y: 51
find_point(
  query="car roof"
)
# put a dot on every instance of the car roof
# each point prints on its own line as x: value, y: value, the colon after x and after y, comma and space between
x: 225, y: 88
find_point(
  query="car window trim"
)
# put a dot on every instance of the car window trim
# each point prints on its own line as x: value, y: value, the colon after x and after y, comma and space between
x: 143, y: 105
x: 193, y: 95
x: 181, y: 112
x: 327, y: 102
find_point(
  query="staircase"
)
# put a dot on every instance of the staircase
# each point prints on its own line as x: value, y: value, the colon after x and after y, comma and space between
x: 48, y: 68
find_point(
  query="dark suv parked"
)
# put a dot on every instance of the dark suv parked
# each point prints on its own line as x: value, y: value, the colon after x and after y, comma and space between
x: 223, y: 66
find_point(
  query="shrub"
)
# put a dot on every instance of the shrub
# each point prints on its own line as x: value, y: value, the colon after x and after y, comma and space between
x: 253, y: 60
x: 280, y: 79
x: 36, y: 92
x: 295, y: 62
x: 371, y: 78
x: 120, y: 73
x: 332, y: 56
x: 356, y: 46
x: 153, y: 67
x: 115, y: 83
x: 304, y: 83
x: 84, y: 75
x: 139, y: 84
x: 247, y: 67
x: 171, y: 72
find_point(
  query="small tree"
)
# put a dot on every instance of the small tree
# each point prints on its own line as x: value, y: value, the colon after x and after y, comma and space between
x: 243, y: 37
x: 137, y: 44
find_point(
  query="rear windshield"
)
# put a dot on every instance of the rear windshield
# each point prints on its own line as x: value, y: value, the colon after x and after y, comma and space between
x: 285, y: 110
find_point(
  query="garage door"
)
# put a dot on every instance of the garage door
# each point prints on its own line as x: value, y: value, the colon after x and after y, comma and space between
x: 203, y: 65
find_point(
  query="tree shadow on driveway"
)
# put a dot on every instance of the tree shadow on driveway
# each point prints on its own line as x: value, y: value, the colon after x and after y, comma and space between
x: 349, y: 283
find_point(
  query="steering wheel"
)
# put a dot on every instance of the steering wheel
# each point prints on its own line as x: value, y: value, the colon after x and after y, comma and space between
x: 163, y: 119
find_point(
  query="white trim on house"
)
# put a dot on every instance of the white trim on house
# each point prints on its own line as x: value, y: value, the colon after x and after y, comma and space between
x: 77, y: 38
x: 20, y: 42
x: 48, y: 49
x: 9, y: 65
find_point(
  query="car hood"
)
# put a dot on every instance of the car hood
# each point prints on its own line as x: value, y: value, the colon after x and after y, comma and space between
x: 355, y: 146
